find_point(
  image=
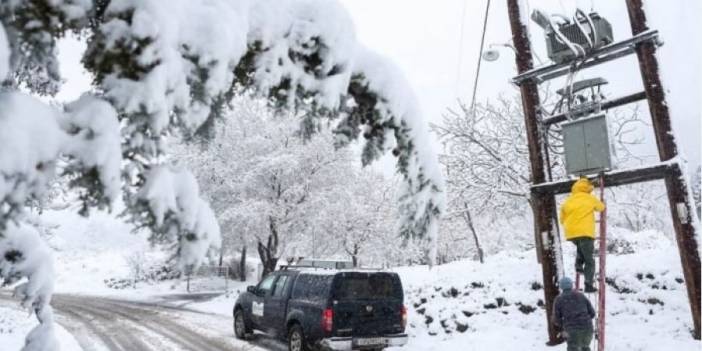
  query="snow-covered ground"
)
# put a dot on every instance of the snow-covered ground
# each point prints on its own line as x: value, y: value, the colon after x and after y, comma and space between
x: 463, y: 305
x: 15, y: 324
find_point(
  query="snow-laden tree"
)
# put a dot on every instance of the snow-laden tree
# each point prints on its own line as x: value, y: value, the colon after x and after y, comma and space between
x: 285, y: 194
x: 168, y: 69
x: 640, y: 206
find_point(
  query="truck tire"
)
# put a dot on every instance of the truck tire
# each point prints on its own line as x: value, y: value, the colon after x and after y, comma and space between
x: 240, y: 327
x: 296, y: 339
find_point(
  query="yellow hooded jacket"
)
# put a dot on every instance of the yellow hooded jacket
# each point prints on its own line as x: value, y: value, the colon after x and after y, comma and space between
x: 578, y: 211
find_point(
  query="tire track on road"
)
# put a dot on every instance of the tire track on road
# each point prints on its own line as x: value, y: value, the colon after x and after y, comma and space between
x: 110, y: 321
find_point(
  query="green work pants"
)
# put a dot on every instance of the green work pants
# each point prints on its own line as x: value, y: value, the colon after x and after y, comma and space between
x: 584, y: 261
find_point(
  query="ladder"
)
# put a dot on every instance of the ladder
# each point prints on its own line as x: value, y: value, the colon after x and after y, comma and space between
x: 599, y: 340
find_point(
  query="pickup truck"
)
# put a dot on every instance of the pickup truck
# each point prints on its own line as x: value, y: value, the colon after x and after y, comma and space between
x: 322, y: 309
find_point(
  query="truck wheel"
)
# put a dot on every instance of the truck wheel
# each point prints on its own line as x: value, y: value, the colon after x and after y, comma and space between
x: 296, y: 339
x: 240, y: 328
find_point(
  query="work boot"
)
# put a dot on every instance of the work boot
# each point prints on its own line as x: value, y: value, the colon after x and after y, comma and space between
x: 590, y: 288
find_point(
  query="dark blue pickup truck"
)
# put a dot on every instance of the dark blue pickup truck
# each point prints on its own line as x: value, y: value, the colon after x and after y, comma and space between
x: 320, y: 309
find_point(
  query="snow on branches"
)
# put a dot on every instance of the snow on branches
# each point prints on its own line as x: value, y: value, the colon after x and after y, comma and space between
x: 31, y: 142
x: 95, y: 150
x: 384, y: 106
x: 33, y: 27
x: 34, y: 137
x: 177, y: 214
x: 23, y: 254
x: 301, y: 50
x: 164, y: 63
x: 165, y: 72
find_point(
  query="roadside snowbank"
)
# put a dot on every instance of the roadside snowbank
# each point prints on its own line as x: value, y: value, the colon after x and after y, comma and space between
x: 499, y: 305
x: 15, y: 324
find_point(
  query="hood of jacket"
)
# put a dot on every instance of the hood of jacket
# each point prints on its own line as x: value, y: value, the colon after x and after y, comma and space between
x: 583, y: 185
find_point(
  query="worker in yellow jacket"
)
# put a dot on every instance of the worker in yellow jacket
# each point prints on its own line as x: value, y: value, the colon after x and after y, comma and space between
x: 578, y: 218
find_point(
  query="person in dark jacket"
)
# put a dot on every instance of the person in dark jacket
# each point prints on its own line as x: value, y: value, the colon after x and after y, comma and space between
x: 573, y: 313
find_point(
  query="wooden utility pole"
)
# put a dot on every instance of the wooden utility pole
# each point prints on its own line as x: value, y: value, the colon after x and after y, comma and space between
x: 543, y: 204
x: 678, y: 195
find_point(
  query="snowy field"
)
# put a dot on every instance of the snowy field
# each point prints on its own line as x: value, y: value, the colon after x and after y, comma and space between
x: 463, y: 305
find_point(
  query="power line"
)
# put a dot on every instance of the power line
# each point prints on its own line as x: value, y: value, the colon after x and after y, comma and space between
x: 460, y: 47
x: 482, y: 46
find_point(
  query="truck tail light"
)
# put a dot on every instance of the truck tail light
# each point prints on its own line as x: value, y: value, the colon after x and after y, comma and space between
x: 403, y: 313
x: 327, y: 320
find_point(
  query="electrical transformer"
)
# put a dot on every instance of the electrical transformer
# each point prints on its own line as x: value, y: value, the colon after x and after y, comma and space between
x: 560, y: 52
x: 587, y: 145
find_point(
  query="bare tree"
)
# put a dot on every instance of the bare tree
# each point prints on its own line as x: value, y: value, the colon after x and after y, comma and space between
x: 135, y: 261
x: 486, y: 161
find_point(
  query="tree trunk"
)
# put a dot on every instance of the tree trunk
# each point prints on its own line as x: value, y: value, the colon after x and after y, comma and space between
x: 242, y: 265
x: 469, y: 221
x: 354, y: 255
x: 268, y: 252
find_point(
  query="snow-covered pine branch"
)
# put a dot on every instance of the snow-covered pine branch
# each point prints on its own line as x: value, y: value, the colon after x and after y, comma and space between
x: 34, y: 137
x: 164, y: 72
x: 33, y: 29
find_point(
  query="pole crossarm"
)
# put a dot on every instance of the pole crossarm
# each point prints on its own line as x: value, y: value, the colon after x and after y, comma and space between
x: 606, y: 105
x: 598, y: 56
x: 614, y: 178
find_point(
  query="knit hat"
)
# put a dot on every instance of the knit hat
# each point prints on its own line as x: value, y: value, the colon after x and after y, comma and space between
x: 565, y: 284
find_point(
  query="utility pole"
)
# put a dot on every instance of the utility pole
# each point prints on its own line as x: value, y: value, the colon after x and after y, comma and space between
x: 543, y: 204
x: 679, y: 197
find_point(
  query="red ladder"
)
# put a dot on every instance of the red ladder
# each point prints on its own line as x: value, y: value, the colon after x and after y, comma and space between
x: 601, y: 312
x: 600, y: 322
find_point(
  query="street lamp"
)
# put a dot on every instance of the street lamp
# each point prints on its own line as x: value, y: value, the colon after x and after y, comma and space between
x: 493, y: 53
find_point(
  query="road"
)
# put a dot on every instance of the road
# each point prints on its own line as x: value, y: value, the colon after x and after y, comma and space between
x: 106, y: 324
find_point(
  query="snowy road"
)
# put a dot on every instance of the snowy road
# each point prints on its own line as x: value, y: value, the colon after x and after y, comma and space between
x: 100, y: 324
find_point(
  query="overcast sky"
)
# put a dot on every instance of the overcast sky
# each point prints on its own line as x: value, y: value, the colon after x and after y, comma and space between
x: 423, y: 37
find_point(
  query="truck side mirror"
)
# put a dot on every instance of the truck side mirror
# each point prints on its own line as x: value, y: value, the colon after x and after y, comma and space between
x: 252, y: 289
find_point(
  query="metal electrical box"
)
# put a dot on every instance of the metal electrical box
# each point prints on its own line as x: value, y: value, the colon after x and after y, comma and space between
x: 587, y: 145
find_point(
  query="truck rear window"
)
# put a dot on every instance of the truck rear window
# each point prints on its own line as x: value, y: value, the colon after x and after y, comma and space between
x: 366, y: 287
x: 312, y: 287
